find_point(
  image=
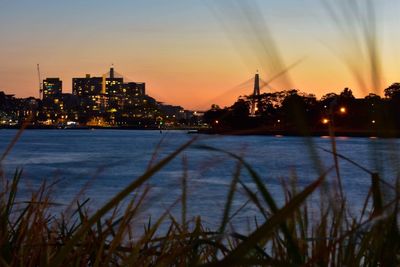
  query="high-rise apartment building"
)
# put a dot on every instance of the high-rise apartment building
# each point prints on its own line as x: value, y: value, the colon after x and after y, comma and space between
x: 108, y: 96
x: 52, y: 88
x: 87, y: 86
x: 89, y: 90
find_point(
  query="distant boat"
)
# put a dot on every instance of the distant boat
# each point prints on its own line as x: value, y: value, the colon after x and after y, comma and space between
x: 193, y: 132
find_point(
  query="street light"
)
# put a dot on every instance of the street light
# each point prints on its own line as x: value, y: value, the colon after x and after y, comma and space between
x: 343, y: 110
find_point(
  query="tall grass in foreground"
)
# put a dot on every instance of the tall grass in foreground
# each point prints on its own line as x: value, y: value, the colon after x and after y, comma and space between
x: 287, y: 235
x: 30, y: 235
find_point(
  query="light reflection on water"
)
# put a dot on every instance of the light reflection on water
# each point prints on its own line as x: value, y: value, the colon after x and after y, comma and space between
x: 104, y: 161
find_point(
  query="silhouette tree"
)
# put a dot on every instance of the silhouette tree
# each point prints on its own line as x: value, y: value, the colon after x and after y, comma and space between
x: 240, y: 109
x: 327, y: 99
x: 298, y: 110
x: 393, y: 91
x: 346, y: 94
x: 373, y: 97
x: 214, y: 114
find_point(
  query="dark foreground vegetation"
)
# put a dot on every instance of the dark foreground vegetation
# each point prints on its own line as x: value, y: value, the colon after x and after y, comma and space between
x: 288, y: 235
x: 294, y: 112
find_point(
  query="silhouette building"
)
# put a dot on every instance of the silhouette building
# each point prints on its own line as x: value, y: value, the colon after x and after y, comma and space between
x: 114, y: 90
x: 89, y: 90
x: 87, y: 86
x: 52, y: 88
x: 108, y: 95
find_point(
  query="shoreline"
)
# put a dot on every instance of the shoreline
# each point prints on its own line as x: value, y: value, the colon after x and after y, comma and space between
x: 43, y: 127
x: 209, y: 131
x: 314, y: 133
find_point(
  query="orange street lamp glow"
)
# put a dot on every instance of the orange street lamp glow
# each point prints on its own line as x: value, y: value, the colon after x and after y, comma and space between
x: 325, y: 121
x: 342, y: 110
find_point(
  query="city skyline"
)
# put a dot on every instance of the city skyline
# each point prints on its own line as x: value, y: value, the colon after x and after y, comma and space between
x: 183, y: 51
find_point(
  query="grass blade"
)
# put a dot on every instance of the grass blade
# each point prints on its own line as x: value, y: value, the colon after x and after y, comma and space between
x: 265, y: 231
x: 58, y: 260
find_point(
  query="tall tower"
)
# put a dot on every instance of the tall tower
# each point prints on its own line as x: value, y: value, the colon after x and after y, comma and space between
x: 112, y: 72
x: 40, y: 82
x: 256, y: 95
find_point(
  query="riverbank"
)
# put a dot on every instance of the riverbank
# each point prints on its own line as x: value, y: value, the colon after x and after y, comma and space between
x: 269, y: 132
x: 53, y: 127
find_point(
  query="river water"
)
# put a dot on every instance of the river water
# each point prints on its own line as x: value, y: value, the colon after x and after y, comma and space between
x: 97, y: 164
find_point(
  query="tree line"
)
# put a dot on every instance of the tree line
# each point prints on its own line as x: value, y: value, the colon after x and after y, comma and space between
x: 296, y: 111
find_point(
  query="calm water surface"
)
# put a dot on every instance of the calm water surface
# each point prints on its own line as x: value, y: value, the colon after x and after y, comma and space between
x: 99, y: 163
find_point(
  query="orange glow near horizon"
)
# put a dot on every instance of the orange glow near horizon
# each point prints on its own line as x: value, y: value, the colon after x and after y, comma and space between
x: 184, y: 61
x: 193, y: 87
x: 194, y: 90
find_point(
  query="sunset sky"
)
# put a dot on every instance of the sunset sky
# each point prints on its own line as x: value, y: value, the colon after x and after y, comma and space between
x: 189, y: 53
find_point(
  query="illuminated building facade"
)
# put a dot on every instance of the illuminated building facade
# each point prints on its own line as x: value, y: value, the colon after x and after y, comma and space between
x: 132, y: 94
x: 95, y: 101
x: 52, y: 88
x: 92, y: 99
x: 52, y: 103
x: 114, y: 92
x: 110, y: 98
x: 87, y: 86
